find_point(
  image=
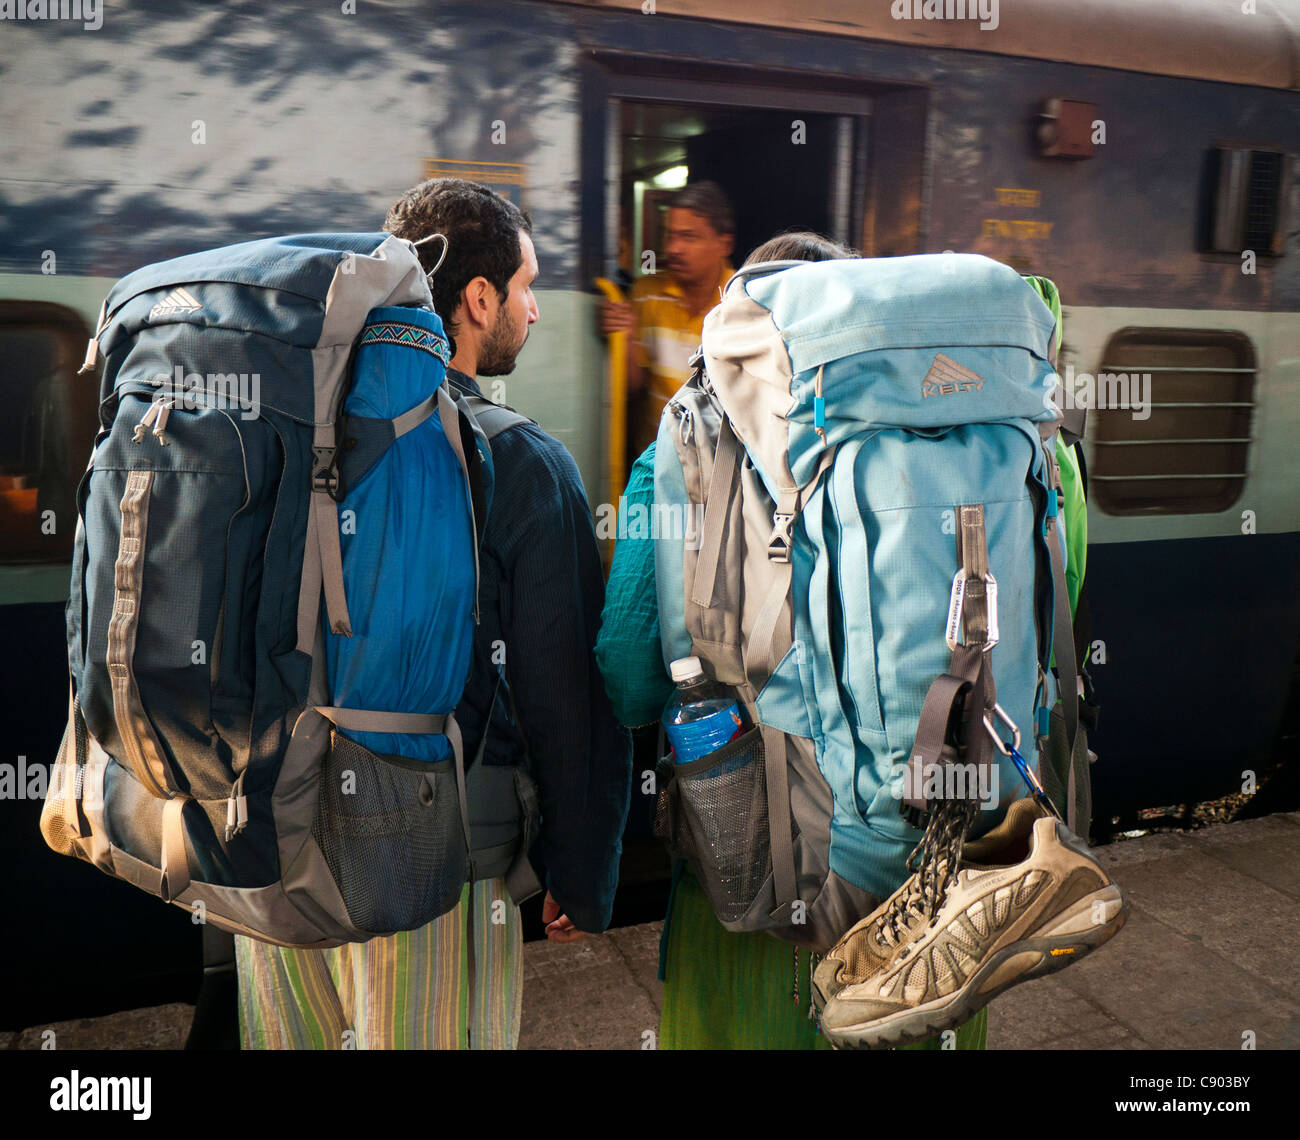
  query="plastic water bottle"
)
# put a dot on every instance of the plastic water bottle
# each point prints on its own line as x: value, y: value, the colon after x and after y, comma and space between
x: 702, y: 715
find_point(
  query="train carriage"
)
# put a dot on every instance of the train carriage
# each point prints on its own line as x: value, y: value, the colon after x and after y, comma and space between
x: 1141, y: 154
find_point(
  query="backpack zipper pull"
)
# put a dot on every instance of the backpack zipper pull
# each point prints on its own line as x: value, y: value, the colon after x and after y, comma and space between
x: 236, y: 808
x: 92, y: 348
x: 145, y: 424
x: 819, y: 406
x: 164, y: 410
x: 686, y: 427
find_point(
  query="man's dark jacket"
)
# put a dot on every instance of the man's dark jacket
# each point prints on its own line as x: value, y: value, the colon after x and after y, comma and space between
x: 540, y: 596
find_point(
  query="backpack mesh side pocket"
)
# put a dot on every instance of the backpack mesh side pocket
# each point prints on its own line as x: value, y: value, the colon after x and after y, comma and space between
x: 722, y: 823
x: 391, y: 833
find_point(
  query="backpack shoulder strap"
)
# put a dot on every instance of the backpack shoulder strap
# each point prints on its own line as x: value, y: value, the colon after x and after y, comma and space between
x: 493, y: 418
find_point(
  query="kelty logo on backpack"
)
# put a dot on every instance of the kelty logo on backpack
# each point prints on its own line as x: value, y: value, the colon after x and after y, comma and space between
x: 946, y: 377
x: 177, y: 301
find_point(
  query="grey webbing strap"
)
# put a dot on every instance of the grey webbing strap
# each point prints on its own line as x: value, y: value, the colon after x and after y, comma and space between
x: 309, y: 586
x: 449, y: 417
x: 973, y: 555
x: 764, y: 652
x: 1067, y: 668
x: 979, y: 629
x: 322, y: 556
x: 175, y: 863
x: 980, y: 702
x: 458, y: 762
x: 721, y: 489
x: 143, y: 749
x: 481, y: 750
x: 365, y: 720
x: 931, y: 744
x: 777, y: 774
x: 492, y: 418
x: 1067, y: 665
x: 762, y: 656
x: 412, y: 419
x: 326, y: 522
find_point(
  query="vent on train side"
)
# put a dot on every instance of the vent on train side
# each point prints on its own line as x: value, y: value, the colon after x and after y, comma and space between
x: 1248, y: 192
x: 1171, y: 421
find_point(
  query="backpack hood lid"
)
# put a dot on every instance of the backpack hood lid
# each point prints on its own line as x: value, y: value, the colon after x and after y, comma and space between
x: 918, y: 342
x: 304, y: 264
x: 831, y: 309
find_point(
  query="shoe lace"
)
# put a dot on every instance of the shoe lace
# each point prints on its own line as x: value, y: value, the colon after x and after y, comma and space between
x: 933, y: 863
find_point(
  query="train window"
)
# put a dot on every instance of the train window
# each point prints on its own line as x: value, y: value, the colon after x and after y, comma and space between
x: 1171, y: 421
x: 47, y: 429
x: 1249, y: 189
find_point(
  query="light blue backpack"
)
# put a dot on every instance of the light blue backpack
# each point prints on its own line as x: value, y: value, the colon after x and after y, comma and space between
x: 865, y: 470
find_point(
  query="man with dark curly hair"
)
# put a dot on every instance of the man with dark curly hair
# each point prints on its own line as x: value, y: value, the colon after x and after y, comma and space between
x: 533, y: 703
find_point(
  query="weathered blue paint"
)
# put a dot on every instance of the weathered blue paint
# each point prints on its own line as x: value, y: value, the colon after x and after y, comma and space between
x: 316, y: 119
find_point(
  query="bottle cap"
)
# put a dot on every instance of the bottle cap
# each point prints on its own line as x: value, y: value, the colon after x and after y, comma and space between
x: 686, y: 669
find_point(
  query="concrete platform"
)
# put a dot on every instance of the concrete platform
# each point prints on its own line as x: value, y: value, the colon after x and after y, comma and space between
x: 1207, y: 956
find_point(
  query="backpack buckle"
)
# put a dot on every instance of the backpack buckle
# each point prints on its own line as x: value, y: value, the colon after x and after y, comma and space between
x: 778, y: 545
x: 324, y: 472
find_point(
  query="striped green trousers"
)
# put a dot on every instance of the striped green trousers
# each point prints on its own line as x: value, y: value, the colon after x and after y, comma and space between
x: 404, y: 991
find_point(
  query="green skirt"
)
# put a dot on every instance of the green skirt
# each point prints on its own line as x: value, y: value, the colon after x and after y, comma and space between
x: 744, y: 991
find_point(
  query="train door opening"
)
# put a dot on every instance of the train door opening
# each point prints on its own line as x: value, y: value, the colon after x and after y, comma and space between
x: 779, y: 169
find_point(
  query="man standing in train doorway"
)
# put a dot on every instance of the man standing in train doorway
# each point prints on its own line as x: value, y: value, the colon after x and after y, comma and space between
x: 534, y: 700
x: 665, y: 316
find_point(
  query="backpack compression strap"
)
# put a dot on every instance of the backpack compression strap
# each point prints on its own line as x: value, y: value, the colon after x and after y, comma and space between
x: 763, y: 651
x: 958, y: 701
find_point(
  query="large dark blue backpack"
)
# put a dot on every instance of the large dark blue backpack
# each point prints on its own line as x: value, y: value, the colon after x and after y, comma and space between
x: 273, y: 594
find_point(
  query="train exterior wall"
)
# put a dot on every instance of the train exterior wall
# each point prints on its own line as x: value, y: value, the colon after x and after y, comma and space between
x: 313, y: 119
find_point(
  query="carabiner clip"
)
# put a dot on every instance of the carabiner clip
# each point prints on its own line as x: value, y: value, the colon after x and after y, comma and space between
x: 957, y: 602
x: 1022, y: 765
x: 1001, y: 714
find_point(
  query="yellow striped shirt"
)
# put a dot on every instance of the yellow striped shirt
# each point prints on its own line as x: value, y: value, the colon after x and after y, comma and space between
x: 668, y: 334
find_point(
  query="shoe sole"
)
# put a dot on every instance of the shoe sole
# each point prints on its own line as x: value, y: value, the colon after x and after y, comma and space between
x: 1073, y: 935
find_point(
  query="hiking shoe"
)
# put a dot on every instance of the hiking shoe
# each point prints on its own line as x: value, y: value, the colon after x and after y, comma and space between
x: 872, y: 941
x: 1027, y: 900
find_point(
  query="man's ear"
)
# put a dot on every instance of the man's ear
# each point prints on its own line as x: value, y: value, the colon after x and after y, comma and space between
x: 728, y: 244
x: 475, y: 303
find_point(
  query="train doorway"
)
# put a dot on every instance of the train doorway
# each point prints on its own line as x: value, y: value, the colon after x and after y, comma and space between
x: 777, y: 170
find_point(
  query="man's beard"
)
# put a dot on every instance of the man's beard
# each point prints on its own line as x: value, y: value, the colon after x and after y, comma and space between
x: 502, y: 347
